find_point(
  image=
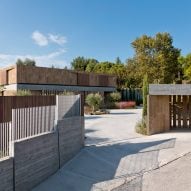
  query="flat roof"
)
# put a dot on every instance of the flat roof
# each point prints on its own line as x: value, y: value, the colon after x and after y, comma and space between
x: 169, y: 89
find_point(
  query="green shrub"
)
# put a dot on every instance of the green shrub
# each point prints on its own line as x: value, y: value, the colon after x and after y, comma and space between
x: 141, y: 127
x: 114, y: 97
x: 24, y: 93
x: 94, y: 101
x: 66, y: 93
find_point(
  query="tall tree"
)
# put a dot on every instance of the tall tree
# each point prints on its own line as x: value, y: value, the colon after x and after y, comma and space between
x: 145, y: 93
x: 79, y: 64
x: 118, y: 61
x: 185, y: 64
x: 157, y: 57
x: 26, y: 62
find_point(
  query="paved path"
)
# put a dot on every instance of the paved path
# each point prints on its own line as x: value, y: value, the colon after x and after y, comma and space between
x: 174, y: 176
x: 117, y: 158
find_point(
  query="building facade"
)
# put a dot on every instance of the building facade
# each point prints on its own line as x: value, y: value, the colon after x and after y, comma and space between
x: 46, y: 81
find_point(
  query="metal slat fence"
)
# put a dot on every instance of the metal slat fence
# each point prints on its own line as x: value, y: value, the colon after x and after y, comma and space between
x: 32, y: 121
x: 5, y: 130
x: 26, y: 122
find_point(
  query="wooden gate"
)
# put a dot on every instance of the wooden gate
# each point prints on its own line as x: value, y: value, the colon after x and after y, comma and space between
x: 180, y: 111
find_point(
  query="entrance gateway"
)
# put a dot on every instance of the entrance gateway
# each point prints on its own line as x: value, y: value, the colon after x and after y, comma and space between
x: 168, y: 107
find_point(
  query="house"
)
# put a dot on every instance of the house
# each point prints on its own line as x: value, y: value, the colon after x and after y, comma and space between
x: 48, y: 81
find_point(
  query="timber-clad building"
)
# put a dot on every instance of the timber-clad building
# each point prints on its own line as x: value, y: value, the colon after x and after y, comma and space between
x: 44, y: 81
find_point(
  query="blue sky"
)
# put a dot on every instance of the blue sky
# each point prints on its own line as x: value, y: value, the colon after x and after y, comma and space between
x: 56, y: 31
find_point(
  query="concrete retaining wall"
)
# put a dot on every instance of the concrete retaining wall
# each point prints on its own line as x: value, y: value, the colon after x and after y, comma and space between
x: 35, y: 159
x: 6, y: 174
x: 38, y: 157
x: 71, y: 137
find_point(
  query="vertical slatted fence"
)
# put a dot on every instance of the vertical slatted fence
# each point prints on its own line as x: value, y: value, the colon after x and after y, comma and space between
x: 4, y: 139
x: 32, y: 121
x: 180, y: 111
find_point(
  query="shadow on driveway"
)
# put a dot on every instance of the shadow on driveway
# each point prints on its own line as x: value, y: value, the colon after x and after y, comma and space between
x: 97, y: 164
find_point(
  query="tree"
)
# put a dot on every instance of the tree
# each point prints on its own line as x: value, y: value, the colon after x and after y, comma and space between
x: 114, y: 97
x: 91, y: 63
x: 83, y: 64
x: 185, y: 64
x: 145, y: 93
x: 94, y: 101
x: 118, y: 61
x: 79, y: 64
x: 26, y: 62
x: 155, y: 56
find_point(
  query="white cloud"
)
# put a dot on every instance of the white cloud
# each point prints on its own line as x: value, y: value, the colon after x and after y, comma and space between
x: 58, y: 39
x: 53, y: 58
x: 43, y: 40
x: 39, y: 38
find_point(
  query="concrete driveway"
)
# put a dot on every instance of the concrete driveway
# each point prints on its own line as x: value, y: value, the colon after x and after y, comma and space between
x: 116, y: 158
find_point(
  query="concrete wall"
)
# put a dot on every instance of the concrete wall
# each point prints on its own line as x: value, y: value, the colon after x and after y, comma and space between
x: 158, y: 114
x: 35, y: 160
x: 68, y: 106
x: 169, y: 89
x: 71, y: 137
x: 6, y: 174
x: 38, y: 157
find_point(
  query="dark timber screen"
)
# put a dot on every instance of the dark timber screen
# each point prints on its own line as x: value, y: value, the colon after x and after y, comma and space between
x: 180, y: 111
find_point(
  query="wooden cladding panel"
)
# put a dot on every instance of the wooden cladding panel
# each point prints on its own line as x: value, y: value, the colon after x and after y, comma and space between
x: 11, y: 76
x: 3, y: 77
x: 112, y: 81
x: 158, y: 114
x: 39, y: 75
x: 7, y: 103
x: 83, y: 79
x: 93, y: 79
x: 103, y: 80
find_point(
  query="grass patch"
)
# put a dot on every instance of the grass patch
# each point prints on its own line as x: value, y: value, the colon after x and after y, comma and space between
x: 141, y: 127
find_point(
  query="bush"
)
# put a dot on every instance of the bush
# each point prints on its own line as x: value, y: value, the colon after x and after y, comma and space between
x: 114, y: 97
x: 24, y: 93
x: 94, y: 101
x: 141, y: 127
x: 125, y: 104
x: 67, y: 93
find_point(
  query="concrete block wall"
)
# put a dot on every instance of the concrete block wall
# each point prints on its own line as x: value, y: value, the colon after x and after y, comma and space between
x: 6, y: 174
x: 71, y: 137
x: 35, y: 159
